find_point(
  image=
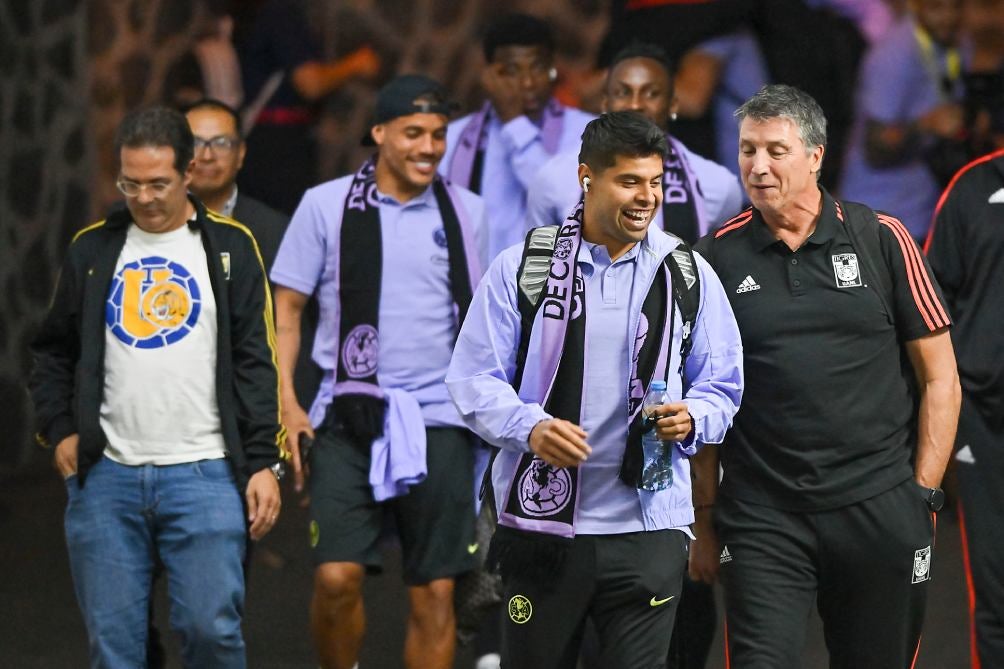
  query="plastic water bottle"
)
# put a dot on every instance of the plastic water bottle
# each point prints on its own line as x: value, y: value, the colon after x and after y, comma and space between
x: 657, y: 467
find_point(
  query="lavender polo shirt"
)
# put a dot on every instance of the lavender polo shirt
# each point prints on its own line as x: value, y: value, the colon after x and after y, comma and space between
x: 513, y: 154
x: 484, y: 362
x: 556, y: 189
x: 417, y: 319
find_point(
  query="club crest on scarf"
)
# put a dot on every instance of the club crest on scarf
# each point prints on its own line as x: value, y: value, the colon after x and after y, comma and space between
x: 544, y: 490
x: 360, y: 352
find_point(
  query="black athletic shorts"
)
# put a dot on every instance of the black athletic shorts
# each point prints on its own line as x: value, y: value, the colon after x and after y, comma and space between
x: 434, y: 520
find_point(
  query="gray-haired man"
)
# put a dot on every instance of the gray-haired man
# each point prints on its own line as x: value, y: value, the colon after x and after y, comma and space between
x: 831, y: 470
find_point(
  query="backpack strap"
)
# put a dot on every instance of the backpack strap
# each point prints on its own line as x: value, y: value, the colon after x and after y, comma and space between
x: 863, y: 228
x: 686, y: 293
x: 531, y: 278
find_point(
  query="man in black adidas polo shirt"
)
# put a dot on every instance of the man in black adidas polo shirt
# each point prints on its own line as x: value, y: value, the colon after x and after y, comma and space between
x: 833, y: 464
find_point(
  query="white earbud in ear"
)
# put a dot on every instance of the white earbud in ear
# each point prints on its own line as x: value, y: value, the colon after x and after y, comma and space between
x: 585, y: 184
x: 552, y: 74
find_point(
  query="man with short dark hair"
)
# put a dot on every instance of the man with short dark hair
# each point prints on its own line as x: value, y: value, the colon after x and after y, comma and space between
x: 498, y: 150
x: 393, y: 254
x: 698, y: 194
x: 155, y: 379
x: 564, y: 337
x: 832, y: 468
x: 219, y: 155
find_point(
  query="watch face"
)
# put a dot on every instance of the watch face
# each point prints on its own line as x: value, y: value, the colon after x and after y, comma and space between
x: 936, y: 499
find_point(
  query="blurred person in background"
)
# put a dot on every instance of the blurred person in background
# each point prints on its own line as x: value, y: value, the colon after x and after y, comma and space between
x: 910, y: 124
x: 498, y: 150
x: 284, y: 77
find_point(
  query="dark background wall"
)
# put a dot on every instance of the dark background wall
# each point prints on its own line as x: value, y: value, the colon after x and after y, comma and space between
x: 46, y: 158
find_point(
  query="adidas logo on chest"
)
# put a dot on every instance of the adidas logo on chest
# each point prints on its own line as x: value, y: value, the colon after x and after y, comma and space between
x: 748, y: 285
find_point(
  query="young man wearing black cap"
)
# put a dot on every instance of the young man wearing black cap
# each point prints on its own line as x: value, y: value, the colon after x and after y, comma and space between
x: 393, y: 253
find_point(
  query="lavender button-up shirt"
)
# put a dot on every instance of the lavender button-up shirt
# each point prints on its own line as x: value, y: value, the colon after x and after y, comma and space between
x: 514, y: 152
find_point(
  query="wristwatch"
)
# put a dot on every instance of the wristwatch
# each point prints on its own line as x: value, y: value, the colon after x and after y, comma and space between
x: 279, y: 470
x: 935, y: 498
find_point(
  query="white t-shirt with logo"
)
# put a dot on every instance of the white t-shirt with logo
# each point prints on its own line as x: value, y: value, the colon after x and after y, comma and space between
x: 159, y: 405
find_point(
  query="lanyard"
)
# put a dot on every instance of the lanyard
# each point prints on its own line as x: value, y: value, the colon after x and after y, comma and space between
x: 953, y: 63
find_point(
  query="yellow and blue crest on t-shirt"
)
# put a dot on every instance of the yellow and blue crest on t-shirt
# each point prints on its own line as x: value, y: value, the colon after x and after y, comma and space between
x: 153, y: 302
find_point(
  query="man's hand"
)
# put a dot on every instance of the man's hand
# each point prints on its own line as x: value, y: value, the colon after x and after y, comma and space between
x: 947, y: 120
x: 675, y: 423
x: 559, y: 443
x: 296, y: 421
x: 504, y: 92
x: 704, y: 551
x: 65, y: 458
x: 263, y: 502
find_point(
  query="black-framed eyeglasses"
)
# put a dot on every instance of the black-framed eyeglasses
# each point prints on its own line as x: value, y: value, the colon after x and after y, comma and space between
x: 218, y: 144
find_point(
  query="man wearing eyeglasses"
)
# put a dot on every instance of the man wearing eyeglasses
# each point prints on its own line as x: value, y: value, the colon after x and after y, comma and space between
x: 219, y: 156
x: 155, y: 380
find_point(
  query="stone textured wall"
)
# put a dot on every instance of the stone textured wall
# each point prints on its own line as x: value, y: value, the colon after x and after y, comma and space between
x: 70, y: 69
x: 45, y: 163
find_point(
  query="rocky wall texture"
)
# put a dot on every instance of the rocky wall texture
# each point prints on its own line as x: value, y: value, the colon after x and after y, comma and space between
x: 45, y: 165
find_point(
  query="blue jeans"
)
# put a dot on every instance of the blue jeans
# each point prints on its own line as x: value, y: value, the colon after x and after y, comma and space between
x: 191, y: 517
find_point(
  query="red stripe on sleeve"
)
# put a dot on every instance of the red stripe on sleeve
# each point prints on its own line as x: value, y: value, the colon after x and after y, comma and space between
x: 737, y: 222
x: 948, y: 189
x: 924, y: 296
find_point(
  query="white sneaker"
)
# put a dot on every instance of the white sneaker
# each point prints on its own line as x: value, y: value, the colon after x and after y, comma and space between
x: 489, y: 661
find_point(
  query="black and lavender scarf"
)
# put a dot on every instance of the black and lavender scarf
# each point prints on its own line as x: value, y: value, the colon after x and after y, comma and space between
x: 540, y: 506
x: 467, y: 163
x: 682, y: 202
x: 359, y: 277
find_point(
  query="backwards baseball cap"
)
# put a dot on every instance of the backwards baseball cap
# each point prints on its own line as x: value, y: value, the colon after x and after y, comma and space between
x: 409, y: 94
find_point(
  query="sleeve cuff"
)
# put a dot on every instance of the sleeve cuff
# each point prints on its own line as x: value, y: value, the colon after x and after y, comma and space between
x: 59, y: 429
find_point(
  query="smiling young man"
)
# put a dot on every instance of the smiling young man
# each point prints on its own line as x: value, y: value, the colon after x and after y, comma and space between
x: 833, y: 465
x: 563, y: 338
x: 497, y: 150
x: 392, y: 254
x: 155, y: 380
x: 698, y: 194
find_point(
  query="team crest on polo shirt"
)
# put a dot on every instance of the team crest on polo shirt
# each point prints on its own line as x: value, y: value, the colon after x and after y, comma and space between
x: 153, y: 302
x: 921, y: 565
x: 439, y: 236
x: 845, y: 270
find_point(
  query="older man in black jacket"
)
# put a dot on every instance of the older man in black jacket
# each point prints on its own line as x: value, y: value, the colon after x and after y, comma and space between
x: 155, y: 378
